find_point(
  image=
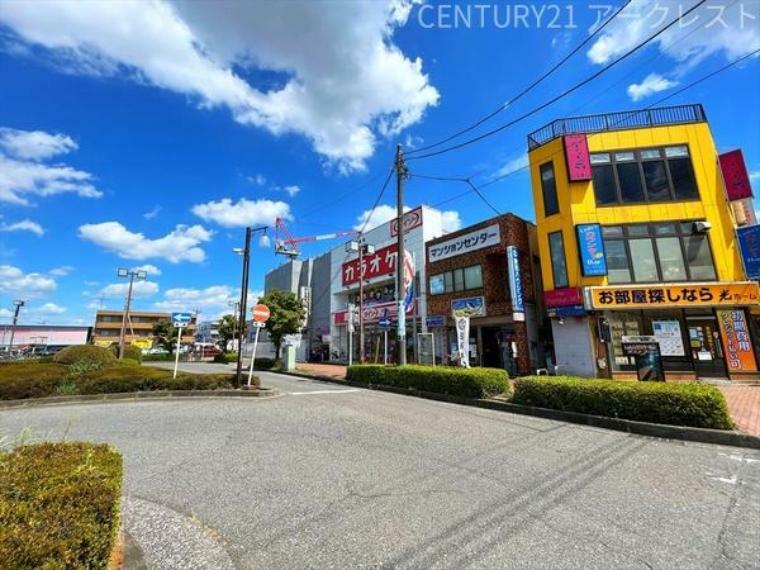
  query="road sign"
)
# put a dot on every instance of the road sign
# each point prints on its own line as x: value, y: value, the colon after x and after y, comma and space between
x: 384, y: 323
x: 261, y: 313
x: 181, y: 319
x: 258, y: 324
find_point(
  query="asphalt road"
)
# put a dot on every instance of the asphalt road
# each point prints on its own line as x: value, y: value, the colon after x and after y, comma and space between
x: 331, y: 477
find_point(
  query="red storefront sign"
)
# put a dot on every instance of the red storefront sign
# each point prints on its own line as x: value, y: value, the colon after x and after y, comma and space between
x: 563, y: 297
x: 373, y: 313
x: 735, y: 175
x: 382, y: 262
x: 577, y: 158
x: 412, y: 219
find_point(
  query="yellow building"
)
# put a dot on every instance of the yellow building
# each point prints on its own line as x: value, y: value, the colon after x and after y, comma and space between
x: 139, y: 329
x: 637, y: 239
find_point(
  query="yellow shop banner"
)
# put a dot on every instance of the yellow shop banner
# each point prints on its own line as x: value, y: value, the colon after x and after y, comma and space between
x: 738, y: 293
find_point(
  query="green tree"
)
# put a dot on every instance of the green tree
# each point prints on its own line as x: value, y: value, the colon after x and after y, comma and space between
x: 228, y: 329
x: 165, y: 335
x: 287, y: 316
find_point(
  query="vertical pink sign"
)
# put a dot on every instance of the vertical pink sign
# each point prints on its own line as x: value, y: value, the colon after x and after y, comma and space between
x: 735, y: 175
x: 577, y: 157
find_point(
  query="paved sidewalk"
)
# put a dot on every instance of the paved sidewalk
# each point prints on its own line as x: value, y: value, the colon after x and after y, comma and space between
x: 744, y: 404
x: 334, y: 371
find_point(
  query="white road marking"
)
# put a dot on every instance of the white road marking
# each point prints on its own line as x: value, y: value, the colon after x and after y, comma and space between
x: 323, y: 392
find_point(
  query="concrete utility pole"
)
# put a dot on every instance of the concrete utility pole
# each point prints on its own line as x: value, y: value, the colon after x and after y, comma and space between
x: 127, y: 273
x: 361, y: 299
x: 18, y: 303
x: 400, y: 289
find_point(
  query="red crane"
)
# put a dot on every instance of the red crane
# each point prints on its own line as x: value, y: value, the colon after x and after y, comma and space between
x: 287, y: 245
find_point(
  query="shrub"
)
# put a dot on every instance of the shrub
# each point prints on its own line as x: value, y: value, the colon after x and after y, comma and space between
x: 263, y: 363
x: 158, y: 358
x: 695, y: 405
x: 59, y: 505
x: 130, y: 351
x: 464, y: 382
x: 19, y: 380
x: 87, y: 352
x: 225, y: 357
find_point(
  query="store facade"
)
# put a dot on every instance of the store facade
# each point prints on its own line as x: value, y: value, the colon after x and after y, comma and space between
x: 470, y: 272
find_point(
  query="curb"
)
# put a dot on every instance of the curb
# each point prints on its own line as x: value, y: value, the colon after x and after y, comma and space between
x: 684, y: 433
x: 153, y: 395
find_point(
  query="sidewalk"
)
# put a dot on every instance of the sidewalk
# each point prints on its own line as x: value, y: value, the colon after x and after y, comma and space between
x: 744, y: 404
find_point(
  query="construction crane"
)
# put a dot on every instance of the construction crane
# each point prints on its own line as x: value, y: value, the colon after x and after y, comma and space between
x: 287, y: 245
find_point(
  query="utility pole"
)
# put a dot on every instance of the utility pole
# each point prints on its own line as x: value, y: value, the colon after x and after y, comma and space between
x: 131, y: 274
x: 400, y: 292
x: 18, y: 303
x: 361, y: 299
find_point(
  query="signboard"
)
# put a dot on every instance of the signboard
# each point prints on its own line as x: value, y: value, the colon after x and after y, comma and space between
x: 469, y: 307
x: 744, y: 212
x: 515, y: 283
x: 577, y: 157
x: 426, y: 348
x: 260, y: 313
x: 673, y: 295
x: 259, y: 324
x: 463, y: 340
x: 591, y: 249
x: 567, y: 311
x: 373, y: 313
x: 735, y: 175
x: 563, y: 297
x: 749, y: 244
x: 465, y: 243
x: 382, y: 262
x: 412, y: 219
x: 646, y: 352
x: 435, y: 321
x: 181, y: 319
x: 736, y: 341
x: 668, y: 334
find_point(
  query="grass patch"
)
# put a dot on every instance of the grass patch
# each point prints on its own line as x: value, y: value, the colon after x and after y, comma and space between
x: 693, y: 405
x: 464, y: 382
x: 59, y: 505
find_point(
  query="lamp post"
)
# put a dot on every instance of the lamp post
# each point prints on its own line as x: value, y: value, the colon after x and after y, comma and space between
x: 17, y: 304
x: 235, y: 306
x: 130, y: 274
x: 360, y: 245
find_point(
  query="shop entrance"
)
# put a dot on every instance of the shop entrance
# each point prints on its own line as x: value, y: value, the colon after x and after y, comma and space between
x: 706, y: 348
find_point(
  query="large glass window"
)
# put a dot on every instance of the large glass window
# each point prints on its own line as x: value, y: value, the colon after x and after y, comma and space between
x: 456, y: 280
x: 559, y: 264
x: 437, y: 285
x: 646, y: 175
x: 646, y: 253
x: 473, y: 277
x: 549, y: 189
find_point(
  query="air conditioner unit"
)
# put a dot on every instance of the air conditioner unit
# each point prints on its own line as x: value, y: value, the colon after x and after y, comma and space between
x: 701, y: 227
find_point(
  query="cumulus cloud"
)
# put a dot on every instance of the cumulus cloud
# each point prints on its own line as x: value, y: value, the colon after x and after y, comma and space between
x: 264, y: 241
x: 242, y: 213
x: 181, y: 244
x: 15, y: 282
x: 23, y: 172
x: 652, y: 83
x: 148, y: 268
x: 61, y: 271
x: 451, y: 221
x: 213, y: 301
x: 26, y: 225
x: 139, y: 289
x: 343, y: 82
x: 152, y: 213
x: 514, y: 164
x: 373, y: 218
x: 291, y: 190
x: 48, y: 309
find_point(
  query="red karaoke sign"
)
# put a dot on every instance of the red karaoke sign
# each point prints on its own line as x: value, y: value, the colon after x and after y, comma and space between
x: 382, y: 262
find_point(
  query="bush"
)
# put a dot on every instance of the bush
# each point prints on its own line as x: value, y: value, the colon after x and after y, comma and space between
x: 59, y: 505
x: 464, y: 382
x: 695, y: 405
x: 19, y: 380
x: 264, y: 363
x: 85, y: 352
x: 225, y: 357
x: 130, y: 351
x: 158, y: 358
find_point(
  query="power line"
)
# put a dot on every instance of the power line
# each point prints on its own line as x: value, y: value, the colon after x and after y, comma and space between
x: 377, y: 200
x: 563, y: 94
x: 526, y: 90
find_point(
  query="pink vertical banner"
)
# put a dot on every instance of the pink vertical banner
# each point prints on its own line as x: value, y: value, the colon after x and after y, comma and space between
x: 577, y: 157
x: 735, y: 175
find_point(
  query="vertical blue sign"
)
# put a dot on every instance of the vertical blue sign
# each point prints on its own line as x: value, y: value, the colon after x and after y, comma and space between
x: 749, y: 243
x: 515, y: 284
x: 591, y: 250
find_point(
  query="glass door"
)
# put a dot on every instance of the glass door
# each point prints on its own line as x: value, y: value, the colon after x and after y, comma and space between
x: 706, y: 348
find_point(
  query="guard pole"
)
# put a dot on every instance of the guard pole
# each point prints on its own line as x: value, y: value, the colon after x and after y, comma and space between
x: 385, y: 357
x: 253, y: 355
x: 176, y: 356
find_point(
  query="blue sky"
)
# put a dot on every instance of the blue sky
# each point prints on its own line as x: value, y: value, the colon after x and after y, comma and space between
x: 131, y: 131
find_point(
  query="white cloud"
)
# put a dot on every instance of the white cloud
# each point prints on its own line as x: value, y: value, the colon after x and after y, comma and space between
x: 213, y: 301
x: 14, y: 281
x: 48, y: 309
x: 181, y: 244
x: 148, y: 268
x: 688, y: 42
x: 22, y: 174
x: 514, y: 164
x: 451, y: 221
x: 259, y: 180
x: 34, y: 145
x: 383, y: 213
x: 26, y: 225
x: 343, y: 80
x: 754, y: 175
x: 61, y: 271
x: 652, y: 83
x: 6, y: 314
x: 139, y: 289
x: 291, y: 190
x: 152, y: 213
x: 242, y: 213
x: 264, y: 241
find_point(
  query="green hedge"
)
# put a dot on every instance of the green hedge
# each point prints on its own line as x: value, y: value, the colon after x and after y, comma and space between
x: 85, y: 352
x: 19, y: 380
x: 59, y: 505
x: 158, y: 357
x: 464, y: 382
x: 695, y: 405
x: 225, y: 357
x: 130, y: 351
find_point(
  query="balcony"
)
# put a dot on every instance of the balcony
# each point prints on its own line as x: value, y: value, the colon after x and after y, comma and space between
x: 657, y: 117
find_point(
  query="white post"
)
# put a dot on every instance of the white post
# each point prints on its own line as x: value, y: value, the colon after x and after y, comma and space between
x: 176, y: 356
x: 253, y: 355
x: 385, y: 357
x: 350, y: 347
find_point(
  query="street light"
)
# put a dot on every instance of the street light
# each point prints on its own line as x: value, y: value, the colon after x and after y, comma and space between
x: 131, y: 274
x: 17, y: 304
x: 360, y: 245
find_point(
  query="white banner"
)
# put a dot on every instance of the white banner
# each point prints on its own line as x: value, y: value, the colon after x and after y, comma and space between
x: 463, y: 340
x: 668, y: 334
x: 466, y: 243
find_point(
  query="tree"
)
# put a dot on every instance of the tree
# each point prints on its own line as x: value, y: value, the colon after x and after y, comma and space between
x: 165, y: 335
x: 287, y: 314
x: 228, y: 329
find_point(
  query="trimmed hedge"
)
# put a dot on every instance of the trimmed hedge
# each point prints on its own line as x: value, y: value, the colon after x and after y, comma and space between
x: 85, y: 352
x: 694, y: 405
x: 463, y: 382
x: 225, y: 357
x: 19, y: 380
x: 158, y: 357
x: 59, y: 505
x: 130, y: 351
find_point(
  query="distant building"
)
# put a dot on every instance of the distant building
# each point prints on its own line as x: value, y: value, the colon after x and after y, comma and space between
x: 49, y: 336
x: 139, y: 329
x: 208, y: 331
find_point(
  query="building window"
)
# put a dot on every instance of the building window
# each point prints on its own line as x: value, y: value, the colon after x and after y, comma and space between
x: 549, y: 189
x: 559, y: 265
x: 647, y: 253
x: 647, y: 175
x: 456, y: 280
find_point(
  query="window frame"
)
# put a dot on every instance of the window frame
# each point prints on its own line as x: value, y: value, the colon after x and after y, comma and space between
x: 541, y: 169
x: 564, y: 258
x: 449, y: 278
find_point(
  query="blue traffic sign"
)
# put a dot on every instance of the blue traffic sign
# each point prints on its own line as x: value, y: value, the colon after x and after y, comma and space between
x: 181, y: 319
x: 384, y: 323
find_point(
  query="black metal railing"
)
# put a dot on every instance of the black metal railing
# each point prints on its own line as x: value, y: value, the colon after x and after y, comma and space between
x: 660, y: 116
